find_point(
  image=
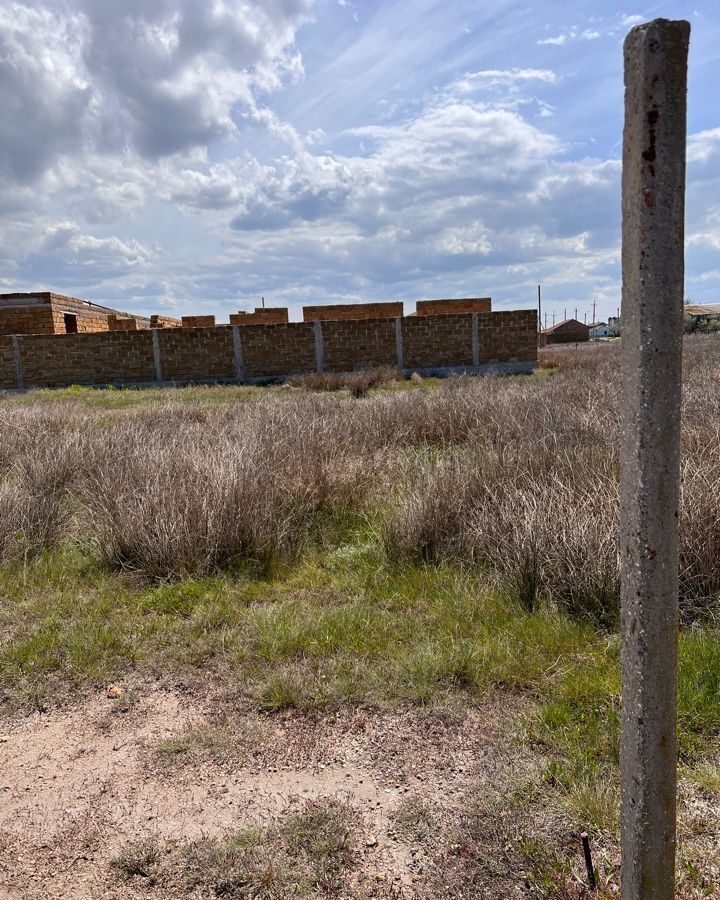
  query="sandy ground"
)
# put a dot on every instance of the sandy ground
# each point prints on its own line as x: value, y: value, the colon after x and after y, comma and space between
x: 77, y: 784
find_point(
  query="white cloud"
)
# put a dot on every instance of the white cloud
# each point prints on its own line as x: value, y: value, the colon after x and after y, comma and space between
x: 558, y: 40
x: 703, y: 146
x: 158, y: 78
x: 473, y: 81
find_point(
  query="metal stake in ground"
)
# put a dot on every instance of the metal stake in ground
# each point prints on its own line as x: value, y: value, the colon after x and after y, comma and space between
x: 653, y: 200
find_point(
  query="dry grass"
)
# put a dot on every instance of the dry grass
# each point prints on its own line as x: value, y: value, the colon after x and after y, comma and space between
x: 515, y: 476
x: 307, y: 853
x: 358, y: 383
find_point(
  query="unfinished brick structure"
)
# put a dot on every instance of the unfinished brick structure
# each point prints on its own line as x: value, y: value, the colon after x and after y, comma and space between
x: 263, y: 315
x: 342, y: 311
x: 198, y: 321
x: 452, y: 307
x: 45, y: 312
x: 466, y: 342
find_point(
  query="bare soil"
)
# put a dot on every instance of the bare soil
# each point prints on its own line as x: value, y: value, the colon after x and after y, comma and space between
x: 80, y: 783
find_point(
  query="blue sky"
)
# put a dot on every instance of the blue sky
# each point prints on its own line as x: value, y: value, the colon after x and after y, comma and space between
x: 189, y: 156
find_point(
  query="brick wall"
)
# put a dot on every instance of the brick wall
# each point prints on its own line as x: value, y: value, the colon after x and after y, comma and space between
x: 114, y: 357
x: 121, y: 323
x: 27, y: 320
x: 267, y: 315
x: 342, y: 311
x: 452, y: 307
x: 8, y: 375
x: 430, y: 341
x: 222, y: 352
x: 198, y: 321
x: 164, y: 322
x: 197, y: 354
x: 507, y: 337
x: 271, y: 351
x: 359, y: 344
x: 86, y: 322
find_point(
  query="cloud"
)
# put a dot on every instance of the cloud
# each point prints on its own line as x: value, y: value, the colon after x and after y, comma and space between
x: 171, y: 155
x: 44, y: 92
x: 156, y: 78
x: 629, y: 21
x: 587, y: 34
x: 64, y: 254
x: 703, y: 146
x: 558, y: 40
x: 473, y: 81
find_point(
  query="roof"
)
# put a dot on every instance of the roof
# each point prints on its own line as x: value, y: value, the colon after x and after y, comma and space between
x: 562, y: 324
x: 702, y: 309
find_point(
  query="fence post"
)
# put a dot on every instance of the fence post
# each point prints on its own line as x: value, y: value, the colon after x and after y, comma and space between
x: 475, y: 341
x: 19, y: 373
x: 319, y: 350
x: 399, y: 344
x: 156, y: 355
x: 237, y: 348
x: 653, y: 200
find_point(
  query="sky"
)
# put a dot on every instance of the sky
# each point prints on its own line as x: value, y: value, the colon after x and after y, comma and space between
x: 194, y: 156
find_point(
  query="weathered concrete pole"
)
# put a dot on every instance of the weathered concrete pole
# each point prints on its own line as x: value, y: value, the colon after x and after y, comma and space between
x: 653, y: 205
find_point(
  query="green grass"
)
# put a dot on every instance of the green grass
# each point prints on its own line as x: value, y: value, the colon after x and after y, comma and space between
x: 111, y: 398
x: 339, y: 627
x: 343, y: 626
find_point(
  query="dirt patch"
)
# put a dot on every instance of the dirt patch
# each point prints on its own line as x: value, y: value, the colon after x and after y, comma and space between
x: 78, y: 785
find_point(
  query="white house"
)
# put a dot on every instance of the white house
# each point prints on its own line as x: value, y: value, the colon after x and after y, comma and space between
x: 600, y: 329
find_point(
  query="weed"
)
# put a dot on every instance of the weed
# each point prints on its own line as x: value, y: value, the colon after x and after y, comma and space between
x: 138, y: 858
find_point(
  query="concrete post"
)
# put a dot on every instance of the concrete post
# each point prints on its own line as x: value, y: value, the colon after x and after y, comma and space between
x: 319, y: 350
x: 653, y: 198
x: 475, y: 341
x: 237, y: 348
x: 19, y: 374
x: 399, y: 344
x: 156, y: 355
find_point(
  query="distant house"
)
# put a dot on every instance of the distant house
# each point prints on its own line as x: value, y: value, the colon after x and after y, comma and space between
x: 701, y: 317
x: 600, y: 330
x: 569, y: 331
x: 614, y: 325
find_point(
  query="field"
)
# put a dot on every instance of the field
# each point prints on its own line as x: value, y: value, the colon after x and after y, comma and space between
x: 352, y: 639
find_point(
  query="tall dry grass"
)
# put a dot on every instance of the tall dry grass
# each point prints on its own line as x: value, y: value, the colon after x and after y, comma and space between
x: 515, y: 476
x: 535, y: 502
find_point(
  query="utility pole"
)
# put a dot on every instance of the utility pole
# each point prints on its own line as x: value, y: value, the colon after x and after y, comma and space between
x: 553, y: 317
x: 565, y: 313
x: 545, y: 321
x: 593, y: 318
x: 653, y: 262
x: 585, y: 317
x: 263, y: 302
x: 576, y: 313
x: 539, y: 309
